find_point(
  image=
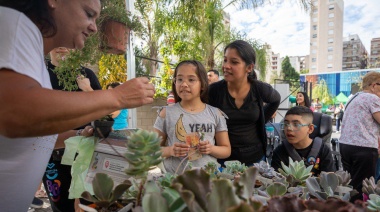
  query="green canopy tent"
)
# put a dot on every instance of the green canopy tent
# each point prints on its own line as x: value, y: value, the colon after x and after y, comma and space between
x: 340, y: 98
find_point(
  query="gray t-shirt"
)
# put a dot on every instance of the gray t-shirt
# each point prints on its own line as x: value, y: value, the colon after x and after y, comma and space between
x: 179, y: 122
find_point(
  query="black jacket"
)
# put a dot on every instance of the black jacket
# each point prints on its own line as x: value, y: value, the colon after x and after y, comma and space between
x: 259, y: 94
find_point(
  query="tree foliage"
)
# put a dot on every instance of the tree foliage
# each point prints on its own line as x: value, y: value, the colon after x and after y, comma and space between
x: 322, y: 92
x: 112, y: 69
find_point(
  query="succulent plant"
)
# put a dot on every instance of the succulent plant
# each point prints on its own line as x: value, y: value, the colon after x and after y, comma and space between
x: 104, y: 193
x: 370, y: 187
x: 327, y: 185
x: 374, y: 202
x: 296, y: 173
x: 143, y: 153
x: 344, y: 177
x: 233, y: 168
x: 212, y: 168
x: 265, y: 169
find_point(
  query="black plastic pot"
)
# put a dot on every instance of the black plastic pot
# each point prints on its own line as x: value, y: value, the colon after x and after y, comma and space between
x: 102, y: 128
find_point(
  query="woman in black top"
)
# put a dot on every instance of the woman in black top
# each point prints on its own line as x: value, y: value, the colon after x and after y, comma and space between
x: 241, y: 96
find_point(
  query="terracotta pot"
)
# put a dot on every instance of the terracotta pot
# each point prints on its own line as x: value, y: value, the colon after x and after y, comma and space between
x: 115, y: 37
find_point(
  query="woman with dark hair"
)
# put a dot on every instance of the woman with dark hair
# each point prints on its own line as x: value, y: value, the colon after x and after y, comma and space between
x: 242, y: 97
x: 31, y: 112
x: 302, y: 99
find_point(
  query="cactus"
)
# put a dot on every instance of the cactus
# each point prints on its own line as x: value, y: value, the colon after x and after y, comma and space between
x: 296, y: 173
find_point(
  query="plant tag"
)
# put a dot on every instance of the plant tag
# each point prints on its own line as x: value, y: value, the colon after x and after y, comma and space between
x: 192, y: 139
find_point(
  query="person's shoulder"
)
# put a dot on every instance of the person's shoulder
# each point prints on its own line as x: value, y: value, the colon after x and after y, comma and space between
x: 217, y: 85
x: 280, y: 149
x: 216, y: 110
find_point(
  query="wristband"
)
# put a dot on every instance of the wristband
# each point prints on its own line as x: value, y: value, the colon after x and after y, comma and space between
x: 79, y: 132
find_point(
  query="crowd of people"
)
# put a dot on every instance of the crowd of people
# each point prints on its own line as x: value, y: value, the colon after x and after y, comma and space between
x: 208, y: 119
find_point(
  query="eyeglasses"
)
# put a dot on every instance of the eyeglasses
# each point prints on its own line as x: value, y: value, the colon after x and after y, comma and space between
x: 190, y: 81
x: 292, y: 126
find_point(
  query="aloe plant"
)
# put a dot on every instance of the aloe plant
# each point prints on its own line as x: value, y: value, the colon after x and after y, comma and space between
x: 296, y: 173
x: 104, y: 193
x: 328, y: 185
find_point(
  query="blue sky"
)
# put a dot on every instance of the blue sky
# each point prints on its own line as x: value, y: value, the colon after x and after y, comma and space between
x: 286, y: 26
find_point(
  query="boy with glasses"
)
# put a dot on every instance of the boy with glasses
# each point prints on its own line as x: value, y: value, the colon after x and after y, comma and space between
x: 297, y: 127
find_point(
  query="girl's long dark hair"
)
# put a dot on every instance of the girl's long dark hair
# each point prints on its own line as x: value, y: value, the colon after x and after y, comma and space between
x: 202, y: 75
x: 305, y: 99
x: 37, y: 11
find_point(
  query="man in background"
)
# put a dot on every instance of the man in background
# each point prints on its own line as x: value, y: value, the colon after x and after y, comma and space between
x: 213, y: 76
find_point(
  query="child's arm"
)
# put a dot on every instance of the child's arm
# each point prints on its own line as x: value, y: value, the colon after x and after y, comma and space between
x: 221, y: 150
x: 176, y: 150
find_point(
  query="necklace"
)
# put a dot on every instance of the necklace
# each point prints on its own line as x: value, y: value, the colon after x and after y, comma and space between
x: 193, y: 109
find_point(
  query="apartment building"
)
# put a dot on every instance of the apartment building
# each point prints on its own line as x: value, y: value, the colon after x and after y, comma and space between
x: 273, y: 62
x: 375, y: 53
x: 355, y: 55
x: 326, y: 35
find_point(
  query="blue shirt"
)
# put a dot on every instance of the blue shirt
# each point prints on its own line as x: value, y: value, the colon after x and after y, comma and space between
x: 121, y: 122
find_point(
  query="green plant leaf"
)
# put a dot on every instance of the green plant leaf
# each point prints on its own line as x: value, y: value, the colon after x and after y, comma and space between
x: 248, y: 180
x: 103, y: 186
x: 219, y: 202
x: 276, y: 189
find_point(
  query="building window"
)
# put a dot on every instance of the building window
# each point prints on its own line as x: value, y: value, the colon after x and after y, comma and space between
x: 374, y: 52
x: 315, y: 19
x: 315, y: 11
x: 330, y: 49
x: 313, y: 59
x: 314, y: 27
x: 314, y: 51
x: 331, y: 32
x: 330, y: 57
x: 331, y: 23
x: 314, y: 35
x: 331, y: 40
x: 315, y: 3
x: 331, y: 15
x: 331, y: 0
x: 331, y: 7
x: 313, y: 67
x: 329, y: 65
x: 314, y: 43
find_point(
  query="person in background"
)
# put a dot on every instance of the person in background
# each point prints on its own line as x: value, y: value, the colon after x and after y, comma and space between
x: 358, y: 142
x: 241, y: 97
x: 297, y: 126
x: 170, y: 99
x: 317, y: 106
x: 32, y: 114
x: 57, y: 177
x: 212, y: 76
x: 191, y: 115
x: 302, y: 99
x: 120, y: 116
x: 339, y: 111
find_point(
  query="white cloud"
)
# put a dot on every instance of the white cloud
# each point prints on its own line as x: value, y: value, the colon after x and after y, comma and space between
x: 286, y: 27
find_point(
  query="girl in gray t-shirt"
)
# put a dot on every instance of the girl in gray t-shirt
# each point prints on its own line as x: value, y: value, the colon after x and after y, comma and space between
x: 189, y: 116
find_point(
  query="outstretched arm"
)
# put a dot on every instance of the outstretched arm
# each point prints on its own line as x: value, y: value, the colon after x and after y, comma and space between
x: 28, y: 110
